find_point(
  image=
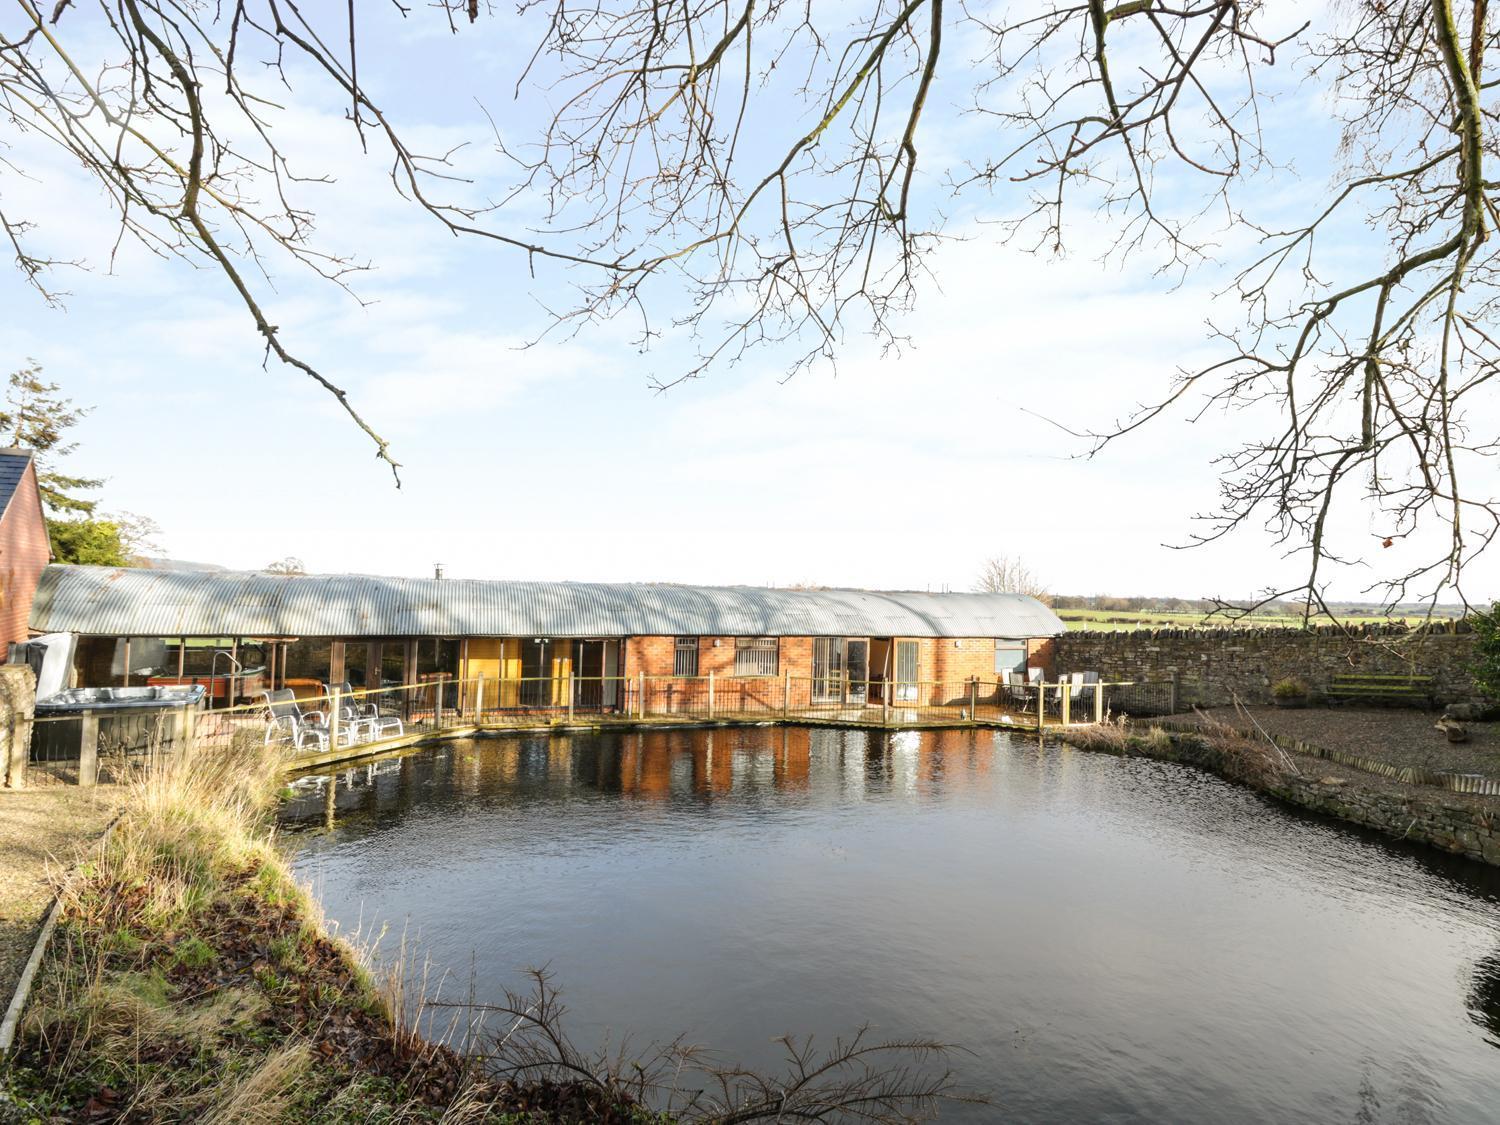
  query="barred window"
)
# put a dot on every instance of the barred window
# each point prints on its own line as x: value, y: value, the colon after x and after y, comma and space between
x: 755, y: 656
x: 685, y: 657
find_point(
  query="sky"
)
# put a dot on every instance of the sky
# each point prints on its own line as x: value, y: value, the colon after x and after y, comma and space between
x: 558, y: 460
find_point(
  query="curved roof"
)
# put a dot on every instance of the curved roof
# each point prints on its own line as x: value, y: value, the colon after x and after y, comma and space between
x: 107, y: 601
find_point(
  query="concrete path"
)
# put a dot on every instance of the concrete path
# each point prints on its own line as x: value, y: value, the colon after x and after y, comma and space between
x: 41, y: 832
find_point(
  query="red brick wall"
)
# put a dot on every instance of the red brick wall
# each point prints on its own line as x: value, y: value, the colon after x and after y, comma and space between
x: 1041, y: 652
x: 942, y: 660
x: 24, y: 552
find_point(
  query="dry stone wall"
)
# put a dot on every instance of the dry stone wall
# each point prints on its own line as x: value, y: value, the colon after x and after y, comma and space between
x: 17, y: 706
x: 1211, y: 666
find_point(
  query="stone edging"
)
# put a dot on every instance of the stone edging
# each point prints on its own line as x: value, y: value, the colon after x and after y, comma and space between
x: 1423, y: 817
x: 12, y: 1019
x: 1411, y: 775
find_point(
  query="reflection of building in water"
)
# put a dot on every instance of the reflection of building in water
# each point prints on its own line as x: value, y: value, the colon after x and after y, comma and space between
x: 560, y: 758
x: 956, y: 759
x: 792, y: 762
x: 646, y: 764
x: 713, y: 763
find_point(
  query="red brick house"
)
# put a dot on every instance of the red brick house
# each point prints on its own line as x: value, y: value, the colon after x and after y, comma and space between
x: 240, y: 632
x: 24, y: 548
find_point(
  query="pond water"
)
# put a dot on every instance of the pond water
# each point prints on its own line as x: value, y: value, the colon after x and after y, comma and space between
x: 1109, y: 939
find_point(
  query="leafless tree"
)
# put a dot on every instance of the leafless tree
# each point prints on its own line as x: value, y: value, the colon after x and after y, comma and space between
x: 1004, y: 574
x: 764, y: 175
x: 522, y: 1044
x: 289, y: 566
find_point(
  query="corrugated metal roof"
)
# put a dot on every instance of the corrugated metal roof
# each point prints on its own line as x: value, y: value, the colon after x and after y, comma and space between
x: 13, y: 464
x: 165, y: 603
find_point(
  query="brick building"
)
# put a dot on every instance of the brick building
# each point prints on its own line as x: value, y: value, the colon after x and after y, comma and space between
x: 241, y: 632
x: 24, y: 548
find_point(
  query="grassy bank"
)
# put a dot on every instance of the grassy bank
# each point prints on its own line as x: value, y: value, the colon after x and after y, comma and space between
x: 191, y: 979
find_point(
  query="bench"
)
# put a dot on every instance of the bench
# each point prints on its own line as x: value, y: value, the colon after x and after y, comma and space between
x: 1412, y: 690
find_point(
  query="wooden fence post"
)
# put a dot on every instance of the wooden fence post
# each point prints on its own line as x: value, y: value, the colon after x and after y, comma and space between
x: 786, y: 693
x: 19, y: 746
x: 335, y: 720
x: 572, y: 694
x: 479, y: 701
x: 973, y: 701
x: 1065, y: 701
x: 640, y: 694
x: 88, y: 748
x: 1172, y: 694
x: 186, y: 730
x: 710, y: 693
x: 1099, y: 702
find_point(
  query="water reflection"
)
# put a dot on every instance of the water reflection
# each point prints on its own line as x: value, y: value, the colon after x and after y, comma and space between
x: 1484, y: 997
x: 1112, y: 939
x: 663, y: 765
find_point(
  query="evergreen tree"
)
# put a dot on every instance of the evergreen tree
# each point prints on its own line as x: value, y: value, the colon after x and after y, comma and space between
x: 37, y: 417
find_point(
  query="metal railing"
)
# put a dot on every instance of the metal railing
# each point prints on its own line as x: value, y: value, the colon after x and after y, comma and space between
x: 99, y: 746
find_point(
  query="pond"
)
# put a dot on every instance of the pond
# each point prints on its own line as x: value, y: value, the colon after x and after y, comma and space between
x: 1109, y: 939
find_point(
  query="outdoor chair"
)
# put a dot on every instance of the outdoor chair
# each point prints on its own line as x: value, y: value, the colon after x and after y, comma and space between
x: 287, y: 721
x: 365, y: 715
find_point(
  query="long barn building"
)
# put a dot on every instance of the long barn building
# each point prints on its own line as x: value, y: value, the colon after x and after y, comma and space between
x: 240, y: 633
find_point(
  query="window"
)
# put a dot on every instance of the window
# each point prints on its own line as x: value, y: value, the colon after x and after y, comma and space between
x: 755, y: 656
x: 1010, y: 656
x: 685, y: 657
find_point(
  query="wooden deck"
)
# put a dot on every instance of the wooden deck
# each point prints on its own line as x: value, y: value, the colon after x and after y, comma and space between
x: 423, y: 731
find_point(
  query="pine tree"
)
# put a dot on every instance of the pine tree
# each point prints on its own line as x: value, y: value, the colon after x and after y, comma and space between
x: 38, y: 418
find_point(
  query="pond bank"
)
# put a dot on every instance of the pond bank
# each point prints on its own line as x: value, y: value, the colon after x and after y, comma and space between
x: 1460, y: 823
x: 190, y: 978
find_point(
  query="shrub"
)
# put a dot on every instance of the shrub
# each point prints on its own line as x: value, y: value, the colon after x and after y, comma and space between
x: 1289, y: 687
x: 1487, y: 652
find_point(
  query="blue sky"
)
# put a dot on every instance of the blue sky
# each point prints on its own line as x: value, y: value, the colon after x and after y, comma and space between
x: 560, y: 461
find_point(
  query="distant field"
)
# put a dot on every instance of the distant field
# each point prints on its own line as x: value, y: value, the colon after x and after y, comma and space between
x: 1123, y: 620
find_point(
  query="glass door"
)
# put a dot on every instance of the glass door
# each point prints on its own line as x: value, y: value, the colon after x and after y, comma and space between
x: 906, y: 671
x: 827, y: 669
x: 857, y: 664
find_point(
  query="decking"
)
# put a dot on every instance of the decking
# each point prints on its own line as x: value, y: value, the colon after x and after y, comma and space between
x: 100, y: 748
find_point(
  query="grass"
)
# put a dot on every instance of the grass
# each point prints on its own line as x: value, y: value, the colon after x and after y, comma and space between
x: 1114, y: 621
x: 1215, y: 746
x: 191, y: 979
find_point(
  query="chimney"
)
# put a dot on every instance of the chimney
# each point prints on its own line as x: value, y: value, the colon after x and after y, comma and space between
x: 437, y: 570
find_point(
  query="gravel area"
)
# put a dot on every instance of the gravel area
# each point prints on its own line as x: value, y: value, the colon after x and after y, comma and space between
x: 1387, y: 734
x: 41, y: 831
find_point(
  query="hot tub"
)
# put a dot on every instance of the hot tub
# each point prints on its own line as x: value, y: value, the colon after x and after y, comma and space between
x: 75, y: 700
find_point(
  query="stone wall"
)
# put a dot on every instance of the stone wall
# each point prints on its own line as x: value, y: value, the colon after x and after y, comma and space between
x: 1453, y: 822
x: 1468, y: 826
x: 17, y: 706
x: 1211, y: 665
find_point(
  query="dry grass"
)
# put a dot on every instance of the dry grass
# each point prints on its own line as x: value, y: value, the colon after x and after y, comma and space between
x: 267, y: 1093
x: 41, y: 833
x: 1214, y: 746
x: 191, y: 980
